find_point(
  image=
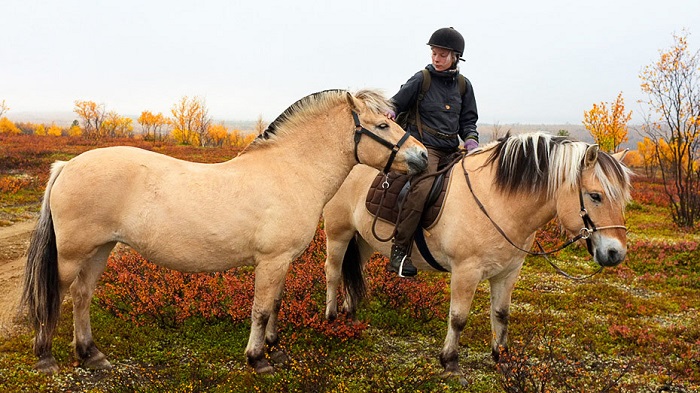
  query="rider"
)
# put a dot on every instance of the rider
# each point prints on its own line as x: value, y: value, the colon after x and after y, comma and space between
x: 446, y: 115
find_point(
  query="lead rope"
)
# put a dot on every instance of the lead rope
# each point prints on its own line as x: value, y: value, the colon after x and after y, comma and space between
x: 563, y: 273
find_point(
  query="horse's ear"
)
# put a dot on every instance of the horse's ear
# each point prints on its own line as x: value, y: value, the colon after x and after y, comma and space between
x: 620, y: 155
x: 351, y: 101
x: 591, y: 156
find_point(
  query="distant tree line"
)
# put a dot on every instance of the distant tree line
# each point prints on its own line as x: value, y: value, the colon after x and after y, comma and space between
x: 189, y: 124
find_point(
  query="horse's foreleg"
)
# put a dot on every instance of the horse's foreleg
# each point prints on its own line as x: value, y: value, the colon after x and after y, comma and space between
x: 501, y: 291
x: 463, y: 284
x: 269, y: 283
x: 277, y: 354
x: 82, y: 290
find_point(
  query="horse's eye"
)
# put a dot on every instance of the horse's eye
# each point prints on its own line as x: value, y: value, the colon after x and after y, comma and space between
x: 383, y: 126
x: 596, y: 197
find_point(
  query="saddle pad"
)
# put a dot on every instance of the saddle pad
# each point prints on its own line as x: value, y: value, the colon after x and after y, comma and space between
x: 389, y: 209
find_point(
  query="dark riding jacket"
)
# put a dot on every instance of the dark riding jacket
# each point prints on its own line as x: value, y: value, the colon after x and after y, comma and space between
x: 442, y: 109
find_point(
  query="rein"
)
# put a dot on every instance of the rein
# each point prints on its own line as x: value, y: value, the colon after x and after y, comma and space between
x: 360, y: 130
x: 585, y: 233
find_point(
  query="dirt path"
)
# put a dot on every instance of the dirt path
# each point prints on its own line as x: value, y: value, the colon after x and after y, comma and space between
x: 13, y: 246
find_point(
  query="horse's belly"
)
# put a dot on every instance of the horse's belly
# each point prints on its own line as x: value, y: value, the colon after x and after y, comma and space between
x: 198, y: 262
x: 190, y: 256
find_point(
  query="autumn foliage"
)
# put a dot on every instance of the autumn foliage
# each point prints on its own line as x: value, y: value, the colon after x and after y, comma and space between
x: 608, y: 126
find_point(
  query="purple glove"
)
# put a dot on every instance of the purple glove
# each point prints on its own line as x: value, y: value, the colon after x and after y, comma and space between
x: 470, y: 144
x: 391, y: 114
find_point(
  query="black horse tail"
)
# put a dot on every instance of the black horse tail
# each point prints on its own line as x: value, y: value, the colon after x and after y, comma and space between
x: 40, y: 295
x: 353, y: 277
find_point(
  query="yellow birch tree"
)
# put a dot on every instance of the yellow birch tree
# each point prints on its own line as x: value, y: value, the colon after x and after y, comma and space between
x: 672, y: 86
x: 608, y: 127
x: 8, y: 127
x: 151, y: 123
x: 54, y: 130
x: 190, y: 121
x: 92, y: 115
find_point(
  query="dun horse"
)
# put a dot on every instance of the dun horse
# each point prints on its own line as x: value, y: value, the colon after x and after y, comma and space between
x: 523, y: 182
x: 196, y: 217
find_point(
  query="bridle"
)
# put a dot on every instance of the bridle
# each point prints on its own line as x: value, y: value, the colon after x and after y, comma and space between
x: 360, y: 130
x: 584, y: 233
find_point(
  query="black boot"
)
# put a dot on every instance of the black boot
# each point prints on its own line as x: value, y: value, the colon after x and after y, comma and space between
x: 401, y: 263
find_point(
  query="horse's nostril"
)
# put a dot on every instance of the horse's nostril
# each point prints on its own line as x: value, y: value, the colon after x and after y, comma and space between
x: 615, y: 257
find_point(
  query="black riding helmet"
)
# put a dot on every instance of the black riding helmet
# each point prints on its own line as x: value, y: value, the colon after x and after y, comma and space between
x: 448, y: 38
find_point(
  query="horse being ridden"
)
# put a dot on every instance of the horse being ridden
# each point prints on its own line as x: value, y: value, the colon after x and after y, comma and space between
x: 196, y: 217
x: 523, y: 182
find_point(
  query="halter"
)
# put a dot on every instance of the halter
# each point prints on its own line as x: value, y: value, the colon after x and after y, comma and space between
x: 584, y: 233
x: 588, y: 226
x: 360, y: 130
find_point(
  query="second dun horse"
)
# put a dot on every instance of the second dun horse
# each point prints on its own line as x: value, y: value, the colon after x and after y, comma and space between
x: 260, y: 208
x: 522, y: 182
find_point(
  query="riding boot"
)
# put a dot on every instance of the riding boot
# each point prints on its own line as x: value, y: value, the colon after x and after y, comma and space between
x: 401, y: 263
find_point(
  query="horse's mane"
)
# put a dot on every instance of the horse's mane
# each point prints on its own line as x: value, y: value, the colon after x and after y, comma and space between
x: 539, y: 162
x: 316, y: 104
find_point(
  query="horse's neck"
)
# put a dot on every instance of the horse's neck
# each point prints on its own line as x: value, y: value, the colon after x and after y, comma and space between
x: 522, y: 213
x: 316, y: 157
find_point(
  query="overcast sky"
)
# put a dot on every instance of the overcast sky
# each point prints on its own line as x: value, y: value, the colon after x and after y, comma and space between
x: 530, y: 62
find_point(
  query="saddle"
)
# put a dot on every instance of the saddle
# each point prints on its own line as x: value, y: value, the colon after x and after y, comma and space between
x: 388, y: 208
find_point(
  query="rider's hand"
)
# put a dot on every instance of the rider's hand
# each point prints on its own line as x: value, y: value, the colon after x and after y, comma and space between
x: 470, y: 144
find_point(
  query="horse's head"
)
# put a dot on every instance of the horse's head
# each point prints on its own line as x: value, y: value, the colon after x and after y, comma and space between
x: 595, y: 209
x: 380, y: 142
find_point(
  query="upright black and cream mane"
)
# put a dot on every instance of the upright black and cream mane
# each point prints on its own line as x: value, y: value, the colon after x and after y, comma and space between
x: 542, y: 163
x: 320, y: 103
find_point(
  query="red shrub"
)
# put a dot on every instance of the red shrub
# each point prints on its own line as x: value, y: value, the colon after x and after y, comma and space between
x: 138, y: 291
x: 425, y: 297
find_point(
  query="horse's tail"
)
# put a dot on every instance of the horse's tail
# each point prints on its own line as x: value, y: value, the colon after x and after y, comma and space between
x: 40, y: 295
x: 353, y: 277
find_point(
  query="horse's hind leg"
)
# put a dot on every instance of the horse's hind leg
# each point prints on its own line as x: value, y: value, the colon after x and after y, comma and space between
x: 336, y: 246
x: 501, y: 291
x: 82, y: 290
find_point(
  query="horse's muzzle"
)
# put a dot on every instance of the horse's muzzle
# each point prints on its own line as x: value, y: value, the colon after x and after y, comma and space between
x: 609, y: 256
x: 417, y: 160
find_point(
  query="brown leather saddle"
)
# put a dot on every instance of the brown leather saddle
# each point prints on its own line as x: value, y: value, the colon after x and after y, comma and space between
x: 384, y: 203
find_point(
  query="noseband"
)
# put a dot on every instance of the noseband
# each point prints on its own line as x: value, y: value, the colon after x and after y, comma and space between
x: 360, y: 130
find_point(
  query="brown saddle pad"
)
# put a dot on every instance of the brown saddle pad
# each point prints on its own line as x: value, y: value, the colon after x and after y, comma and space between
x: 394, y: 194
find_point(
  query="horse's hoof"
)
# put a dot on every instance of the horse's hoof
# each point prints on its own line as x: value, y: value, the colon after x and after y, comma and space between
x: 262, y: 366
x: 265, y: 370
x: 456, y: 374
x: 279, y: 357
x: 99, y: 362
x: 47, y: 366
